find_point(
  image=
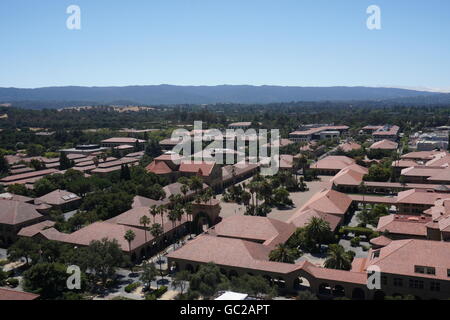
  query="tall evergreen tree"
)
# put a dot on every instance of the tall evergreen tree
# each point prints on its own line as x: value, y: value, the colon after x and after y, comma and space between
x: 64, y: 162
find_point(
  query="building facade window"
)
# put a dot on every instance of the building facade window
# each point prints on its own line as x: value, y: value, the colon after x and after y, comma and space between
x: 435, y: 286
x: 425, y: 270
x: 398, y: 282
x: 415, y: 284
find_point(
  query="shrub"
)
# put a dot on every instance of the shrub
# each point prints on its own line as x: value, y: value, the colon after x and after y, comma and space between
x: 13, y: 282
x: 132, y: 286
x: 160, y: 291
x: 3, y: 262
x: 365, y: 248
x: 355, y: 241
x: 150, y: 296
x: 374, y: 234
x: 358, y: 231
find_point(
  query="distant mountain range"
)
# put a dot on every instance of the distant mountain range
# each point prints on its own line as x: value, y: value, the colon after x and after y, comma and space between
x: 54, y: 97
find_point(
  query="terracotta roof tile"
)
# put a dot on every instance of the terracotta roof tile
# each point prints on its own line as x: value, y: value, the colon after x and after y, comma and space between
x: 384, y: 145
x: 9, y: 294
x: 401, y: 256
x: 333, y: 163
x: 16, y: 212
x: 329, y: 201
x: 265, y: 230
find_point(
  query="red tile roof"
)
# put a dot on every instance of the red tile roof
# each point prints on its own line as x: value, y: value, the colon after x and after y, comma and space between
x: 16, y: 212
x: 158, y: 167
x: 27, y: 175
x: 404, y: 225
x: 404, y: 163
x: 390, y: 130
x: 34, y: 229
x: 231, y: 252
x: 380, y: 241
x: 421, y: 155
x: 420, y: 196
x: 57, y: 197
x: 139, y: 201
x: 401, y: 256
x: 333, y: 163
x: 329, y: 201
x: 265, y: 230
x: 384, y: 145
x: 98, y: 231
x: 201, y: 167
x: 9, y: 294
x: 351, y: 175
x: 350, y: 146
x: 302, y: 218
x: 122, y: 140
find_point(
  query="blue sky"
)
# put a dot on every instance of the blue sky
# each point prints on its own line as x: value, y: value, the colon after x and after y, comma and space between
x: 210, y: 42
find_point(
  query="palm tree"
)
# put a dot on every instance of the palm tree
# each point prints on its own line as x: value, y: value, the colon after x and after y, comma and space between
x: 253, y: 188
x: 233, y: 174
x: 318, y: 230
x: 362, y: 189
x: 172, y: 200
x: 282, y: 253
x: 129, y: 236
x: 184, y: 190
x: 173, y: 217
x: 157, y: 231
x: 196, y: 184
x: 154, y: 211
x: 189, y: 210
x: 337, y: 258
x: 246, y: 198
x: 209, y: 195
x: 162, y: 212
x: 145, y: 220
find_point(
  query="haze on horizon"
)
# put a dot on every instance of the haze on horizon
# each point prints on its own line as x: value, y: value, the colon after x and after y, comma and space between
x: 201, y: 42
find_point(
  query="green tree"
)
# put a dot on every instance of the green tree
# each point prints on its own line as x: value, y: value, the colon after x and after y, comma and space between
x: 153, y: 149
x: 18, y: 189
x: 149, y: 273
x: 157, y: 231
x: 64, y: 162
x: 145, y: 221
x: 153, y: 211
x: 24, y: 248
x: 130, y: 235
x: 44, y: 186
x: 255, y: 286
x: 281, y: 197
x: 184, y: 190
x: 319, y: 231
x: 180, y: 281
x: 196, y: 184
x: 46, y: 279
x: 4, y: 166
x: 125, y: 173
x: 338, y: 258
x: 34, y: 150
x: 306, y: 295
x: 208, y: 280
x: 101, y: 258
x: 283, y: 253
